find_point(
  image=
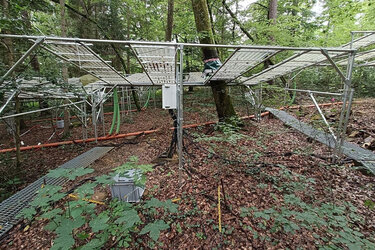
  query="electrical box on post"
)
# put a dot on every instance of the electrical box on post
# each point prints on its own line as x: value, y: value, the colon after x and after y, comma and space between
x: 169, y: 96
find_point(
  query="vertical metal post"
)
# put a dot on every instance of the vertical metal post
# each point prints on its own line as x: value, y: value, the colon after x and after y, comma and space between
x: 85, y: 119
x: 102, y: 117
x: 93, y: 109
x: 179, y: 92
x: 346, y: 106
x: 83, y: 123
x: 122, y: 100
x: 154, y: 96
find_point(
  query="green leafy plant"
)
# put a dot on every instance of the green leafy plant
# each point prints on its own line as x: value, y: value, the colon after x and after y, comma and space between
x: 117, y: 223
x: 140, y: 170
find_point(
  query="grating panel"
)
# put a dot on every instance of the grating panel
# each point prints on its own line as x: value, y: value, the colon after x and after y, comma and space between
x: 158, y: 62
x: 362, y: 57
x: 289, y: 65
x: 362, y: 41
x: 10, y: 207
x: 239, y: 62
x: 366, y: 157
x: 86, y: 59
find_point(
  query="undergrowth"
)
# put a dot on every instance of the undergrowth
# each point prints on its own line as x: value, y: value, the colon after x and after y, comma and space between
x: 89, y: 225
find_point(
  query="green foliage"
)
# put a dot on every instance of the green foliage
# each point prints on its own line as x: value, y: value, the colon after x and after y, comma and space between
x: 70, y: 173
x: 154, y: 229
x: 370, y: 204
x: 140, y: 170
x: 99, y: 223
x: 117, y: 222
x: 339, y: 223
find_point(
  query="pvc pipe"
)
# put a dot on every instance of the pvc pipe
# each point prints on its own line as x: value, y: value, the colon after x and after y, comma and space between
x: 119, y: 136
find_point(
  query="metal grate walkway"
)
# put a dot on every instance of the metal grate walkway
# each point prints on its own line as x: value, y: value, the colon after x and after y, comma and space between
x: 364, y: 156
x: 10, y: 207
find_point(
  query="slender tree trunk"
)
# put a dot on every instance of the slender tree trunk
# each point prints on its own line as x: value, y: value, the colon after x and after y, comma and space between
x: 64, y: 70
x: 251, y: 38
x: 127, y: 66
x: 115, y: 49
x: 272, y: 15
x: 224, y: 106
x: 272, y: 11
x: 168, y: 32
x: 9, y: 60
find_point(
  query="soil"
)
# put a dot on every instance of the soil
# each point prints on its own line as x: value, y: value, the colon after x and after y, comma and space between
x: 245, y: 168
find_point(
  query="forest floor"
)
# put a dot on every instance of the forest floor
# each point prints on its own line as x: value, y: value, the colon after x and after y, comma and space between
x: 278, y: 188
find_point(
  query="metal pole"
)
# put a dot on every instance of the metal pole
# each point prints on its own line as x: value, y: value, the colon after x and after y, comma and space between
x: 154, y: 96
x: 322, y: 115
x: 315, y: 92
x: 180, y: 115
x: 102, y: 117
x: 28, y: 52
x: 9, y: 99
x: 85, y: 117
x: 345, y: 111
x: 171, y: 44
x: 39, y: 110
x: 93, y: 114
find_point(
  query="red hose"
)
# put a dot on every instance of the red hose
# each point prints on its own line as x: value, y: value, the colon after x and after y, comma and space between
x: 118, y: 136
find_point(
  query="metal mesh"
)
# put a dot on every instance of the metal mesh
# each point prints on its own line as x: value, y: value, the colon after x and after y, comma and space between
x: 86, y: 59
x: 12, y: 206
x: 159, y: 63
x: 361, y: 42
x: 362, y: 57
x: 366, y: 157
x: 239, y: 62
x: 289, y: 65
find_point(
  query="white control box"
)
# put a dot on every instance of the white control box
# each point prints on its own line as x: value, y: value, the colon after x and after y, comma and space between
x: 169, y: 96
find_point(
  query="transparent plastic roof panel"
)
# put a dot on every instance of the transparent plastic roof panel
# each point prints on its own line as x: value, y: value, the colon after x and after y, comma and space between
x: 158, y: 62
x: 361, y: 57
x: 293, y: 63
x: 239, y: 62
x: 86, y: 59
x: 362, y: 41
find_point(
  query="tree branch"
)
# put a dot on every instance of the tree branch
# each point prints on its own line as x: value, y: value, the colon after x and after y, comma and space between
x: 261, y: 5
x: 268, y: 61
x: 118, y: 54
x: 237, y: 21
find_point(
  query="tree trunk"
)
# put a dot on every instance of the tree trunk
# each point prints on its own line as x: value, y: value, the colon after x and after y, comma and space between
x: 115, y: 49
x: 9, y: 61
x: 168, y: 32
x: 223, y: 102
x: 64, y: 70
x: 272, y: 11
x: 272, y: 15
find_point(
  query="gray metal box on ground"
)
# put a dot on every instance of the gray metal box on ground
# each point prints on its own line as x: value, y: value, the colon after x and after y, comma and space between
x: 124, y: 188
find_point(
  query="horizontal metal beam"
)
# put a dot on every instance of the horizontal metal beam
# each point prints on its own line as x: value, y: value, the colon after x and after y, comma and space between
x: 171, y: 44
x: 315, y: 92
x: 39, y: 110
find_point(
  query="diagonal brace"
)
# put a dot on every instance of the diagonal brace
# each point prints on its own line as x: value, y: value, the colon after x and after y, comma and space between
x: 322, y: 115
x: 325, y: 53
x: 28, y: 52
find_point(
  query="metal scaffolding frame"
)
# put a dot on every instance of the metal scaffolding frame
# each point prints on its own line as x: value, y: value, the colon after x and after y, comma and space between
x: 162, y: 63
